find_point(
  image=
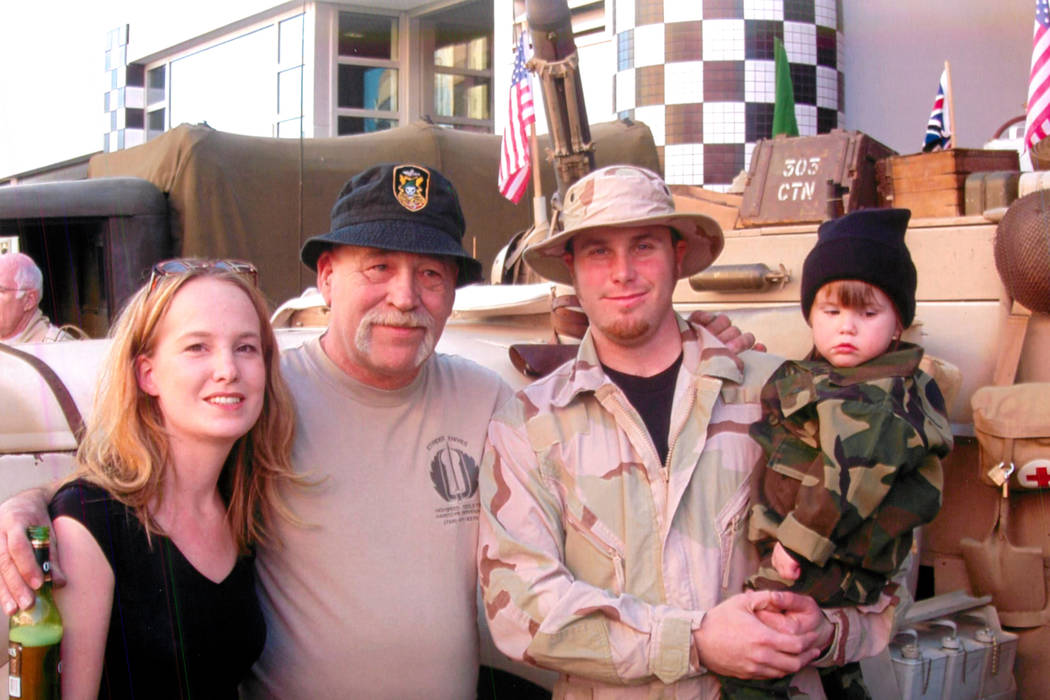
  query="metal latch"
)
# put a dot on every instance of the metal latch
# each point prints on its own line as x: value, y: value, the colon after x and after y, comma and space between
x: 952, y: 640
x: 910, y: 649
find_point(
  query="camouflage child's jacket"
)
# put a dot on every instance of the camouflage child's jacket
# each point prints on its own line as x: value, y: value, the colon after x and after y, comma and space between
x: 853, y: 467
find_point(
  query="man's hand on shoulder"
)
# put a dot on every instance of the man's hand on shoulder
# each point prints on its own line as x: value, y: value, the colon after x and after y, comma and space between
x: 760, y: 634
x: 19, y: 572
x: 722, y: 328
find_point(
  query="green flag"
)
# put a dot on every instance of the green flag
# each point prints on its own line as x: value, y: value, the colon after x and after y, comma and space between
x: 784, y: 110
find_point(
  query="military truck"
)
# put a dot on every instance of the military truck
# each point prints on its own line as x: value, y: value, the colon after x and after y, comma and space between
x: 195, y: 191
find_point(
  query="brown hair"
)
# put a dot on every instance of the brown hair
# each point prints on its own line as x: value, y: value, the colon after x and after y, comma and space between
x: 125, y: 448
x: 851, y: 294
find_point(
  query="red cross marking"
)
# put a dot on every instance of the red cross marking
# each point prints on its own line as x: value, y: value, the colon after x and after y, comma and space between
x: 1040, y: 476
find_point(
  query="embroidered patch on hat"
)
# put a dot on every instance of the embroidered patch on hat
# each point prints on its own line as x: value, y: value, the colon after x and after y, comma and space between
x: 411, y: 186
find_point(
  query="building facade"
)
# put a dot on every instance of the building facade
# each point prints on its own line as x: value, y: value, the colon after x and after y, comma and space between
x: 312, y: 70
x: 699, y: 73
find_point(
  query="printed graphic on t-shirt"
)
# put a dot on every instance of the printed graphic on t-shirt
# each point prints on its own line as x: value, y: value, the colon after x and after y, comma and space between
x: 454, y: 474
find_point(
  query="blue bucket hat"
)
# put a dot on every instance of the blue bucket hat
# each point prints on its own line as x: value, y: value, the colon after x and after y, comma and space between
x: 404, y: 207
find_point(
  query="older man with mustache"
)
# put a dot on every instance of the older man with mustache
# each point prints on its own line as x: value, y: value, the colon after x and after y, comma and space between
x: 378, y: 600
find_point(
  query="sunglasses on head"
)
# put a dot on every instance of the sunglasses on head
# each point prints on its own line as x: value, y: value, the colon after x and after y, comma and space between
x: 179, y: 266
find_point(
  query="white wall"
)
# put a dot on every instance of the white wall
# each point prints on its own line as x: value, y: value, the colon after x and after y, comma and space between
x: 895, y: 51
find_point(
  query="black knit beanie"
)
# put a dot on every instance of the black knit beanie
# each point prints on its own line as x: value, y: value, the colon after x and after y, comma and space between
x: 866, y: 245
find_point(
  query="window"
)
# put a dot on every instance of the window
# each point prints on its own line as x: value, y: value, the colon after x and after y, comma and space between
x: 156, y: 101
x: 253, y: 82
x: 290, y: 92
x: 588, y: 17
x: 231, y: 86
x: 367, y: 73
x: 457, y: 89
x: 367, y: 88
x: 290, y: 76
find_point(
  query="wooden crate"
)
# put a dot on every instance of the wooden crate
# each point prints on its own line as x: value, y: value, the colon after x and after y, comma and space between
x: 933, y: 184
x: 811, y: 178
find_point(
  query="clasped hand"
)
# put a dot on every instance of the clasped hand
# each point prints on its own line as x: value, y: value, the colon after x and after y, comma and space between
x: 762, y: 634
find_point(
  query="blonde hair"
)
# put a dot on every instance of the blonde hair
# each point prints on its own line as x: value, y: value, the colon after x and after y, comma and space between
x: 125, y: 448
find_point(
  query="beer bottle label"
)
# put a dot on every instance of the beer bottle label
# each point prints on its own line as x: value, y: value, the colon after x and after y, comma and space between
x: 14, y: 670
x: 33, y: 671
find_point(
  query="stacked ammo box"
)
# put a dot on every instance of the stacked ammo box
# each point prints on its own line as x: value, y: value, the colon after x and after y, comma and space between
x: 936, y: 184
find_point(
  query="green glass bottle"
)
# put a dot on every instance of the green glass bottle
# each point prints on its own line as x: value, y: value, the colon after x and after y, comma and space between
x: 34, y: 635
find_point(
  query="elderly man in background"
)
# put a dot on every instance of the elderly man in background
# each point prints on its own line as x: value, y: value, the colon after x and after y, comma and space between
x: 21, y: 287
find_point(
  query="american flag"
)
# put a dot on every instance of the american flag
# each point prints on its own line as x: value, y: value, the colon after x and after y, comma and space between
x: 514, y: 164
x: 1037, y: 125
x: 938, y: 128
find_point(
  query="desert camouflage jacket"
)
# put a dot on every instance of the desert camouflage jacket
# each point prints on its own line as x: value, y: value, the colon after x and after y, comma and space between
x: 853, y: 467
x: 598, y: 561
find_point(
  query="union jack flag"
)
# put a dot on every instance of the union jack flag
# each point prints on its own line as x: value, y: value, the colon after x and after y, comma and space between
x: 938, y: 128
x: 1037, y: 125
x: 514, y: 163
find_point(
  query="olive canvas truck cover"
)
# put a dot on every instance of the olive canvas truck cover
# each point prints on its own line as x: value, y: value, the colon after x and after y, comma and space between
x: 261, y: 198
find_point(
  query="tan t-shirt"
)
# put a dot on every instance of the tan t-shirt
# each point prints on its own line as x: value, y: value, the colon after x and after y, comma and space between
x: 377, y: 599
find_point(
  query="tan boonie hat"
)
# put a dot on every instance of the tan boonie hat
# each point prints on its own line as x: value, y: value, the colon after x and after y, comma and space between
x: 624, y: 195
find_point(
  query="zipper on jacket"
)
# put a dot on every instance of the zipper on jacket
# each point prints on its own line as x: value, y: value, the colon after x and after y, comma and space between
x: 609, y: 550
x: 690, y: 400
x: 624, y: 415
x: 733, y: 526
x: 621, y: 576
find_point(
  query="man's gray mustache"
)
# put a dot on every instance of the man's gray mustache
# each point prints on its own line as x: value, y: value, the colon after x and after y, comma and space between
x: 404, y: 319
x: 417, y: 318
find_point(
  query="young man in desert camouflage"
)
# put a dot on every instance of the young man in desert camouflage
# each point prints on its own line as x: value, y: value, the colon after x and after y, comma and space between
x: 615, y: 491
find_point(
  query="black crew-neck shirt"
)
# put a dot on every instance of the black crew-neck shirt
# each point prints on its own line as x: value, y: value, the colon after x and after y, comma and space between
x: 652, y: 398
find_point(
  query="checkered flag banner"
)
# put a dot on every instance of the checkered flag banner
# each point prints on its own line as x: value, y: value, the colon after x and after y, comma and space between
x: 514, y: 161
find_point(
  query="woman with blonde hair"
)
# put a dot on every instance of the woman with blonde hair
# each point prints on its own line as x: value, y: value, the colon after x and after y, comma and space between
x: 179, y: 476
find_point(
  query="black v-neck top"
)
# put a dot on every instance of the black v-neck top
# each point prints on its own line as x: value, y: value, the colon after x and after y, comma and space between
x: 173, y: 632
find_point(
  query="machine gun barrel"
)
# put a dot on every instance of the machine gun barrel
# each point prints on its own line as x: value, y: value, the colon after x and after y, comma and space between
x: 556, y: 63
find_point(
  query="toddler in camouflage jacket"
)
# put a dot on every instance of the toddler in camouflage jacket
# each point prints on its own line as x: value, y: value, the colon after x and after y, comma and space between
x: 853, y: 435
